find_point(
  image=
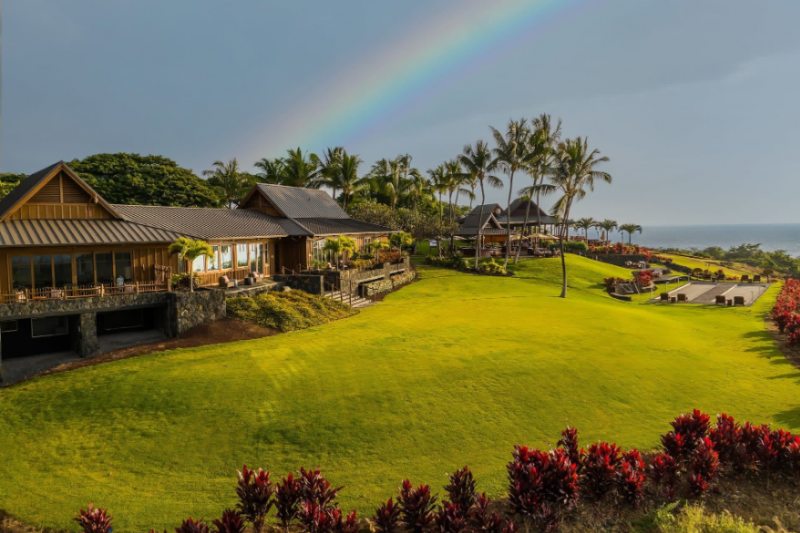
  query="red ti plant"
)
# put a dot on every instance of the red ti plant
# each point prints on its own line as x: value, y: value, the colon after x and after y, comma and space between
x: 569, y: 441
x: 341, y: 523
x: 782, y: 320
x: 461, y: 490
x: 664, y: 470
x: 450, y: 519
x: 600, y: 469
x: 793, y: 457
x: 315, y: 488
x: 751, y: 439
x: 416, y: 507
x: 705, y: 463
x: 726, y: 436
x: 697, y: 485
x: 481, y: 520
x: 675, y: 445
x: 191, y: 525
x: 255, y: 496
x: 631, y: 478
x: 94, y: 520
x: 287, y: 500
x: 387, y: 518
x: 315, y: 518
x: 231, y: 522
x: 693, y: 427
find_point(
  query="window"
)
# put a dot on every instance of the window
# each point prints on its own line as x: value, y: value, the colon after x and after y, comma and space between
x: 42, y: 271
x: 62, y: 268
x: 84, y: 267
x: 104, y: 264
x: 122, y: 260
x: 213, y: 260
x: 254, y: 262
x: 21, y: 273
x: 199, y: 264
x: 227, y: 256
x: 241, y: 255
x: 51, y: 326
x: 317, y: 251
x: 265, y: 253
x: 9, y: 326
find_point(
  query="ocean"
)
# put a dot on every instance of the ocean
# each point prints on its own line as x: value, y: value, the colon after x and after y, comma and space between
x: 771, y: 236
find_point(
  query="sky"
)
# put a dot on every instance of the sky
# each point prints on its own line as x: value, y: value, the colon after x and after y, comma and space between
x: 695, y: 103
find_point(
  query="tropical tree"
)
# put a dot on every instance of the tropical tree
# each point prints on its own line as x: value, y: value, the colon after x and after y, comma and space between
x: 340, y: 245
x: 401, y: 239
x: 455, y: 178
x: 630, y: 229
x: 585, y: 224
x: 189, y: 250
x: 227, y: 179
x: 346, y: 177
x: 328, y: 167
x: 510, y: 153
x: 417, y: 187
x: 607, y: 226
x: 572, y: 174
x: 439, y: 183
x: 478, y: 162
x: 388, y: 179
x: 270, y: 170
x: 299, y: 170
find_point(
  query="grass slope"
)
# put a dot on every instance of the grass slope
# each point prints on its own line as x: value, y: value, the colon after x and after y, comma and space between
x: 736, y: 269
x: 452, y: 370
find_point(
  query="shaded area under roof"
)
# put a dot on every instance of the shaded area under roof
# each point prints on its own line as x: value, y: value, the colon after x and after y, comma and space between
x: 76, y: 232
x: 211, y: 223
x: 296, y: 202
x: 336, y: 226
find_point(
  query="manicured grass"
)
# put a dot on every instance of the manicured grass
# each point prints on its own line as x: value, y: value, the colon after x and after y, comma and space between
x: 699, y: 262
x: 454, y: 369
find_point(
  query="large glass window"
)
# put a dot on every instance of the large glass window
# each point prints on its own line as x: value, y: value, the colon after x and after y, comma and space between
x: 241, y: 255
x: 254, y: 263
x: 317, y: 251
x: 21, y: 273
x: 226, y: 254
x: 84, y: 268
x: 199, y: 264
x: 213, y: 260
x: 42, y: 271
x: 104, y: 262
x: 62, y: 268
x: 122, y: 260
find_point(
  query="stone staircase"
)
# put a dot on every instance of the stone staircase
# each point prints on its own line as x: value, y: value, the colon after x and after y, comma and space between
x: 357, y: 302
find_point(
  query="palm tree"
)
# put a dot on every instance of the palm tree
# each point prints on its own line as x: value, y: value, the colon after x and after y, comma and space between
x: 328, y: 166
x: 607, y: 226
x: 227, y: 179
x: 417, y: 187
x: 585, y: 224
x: 346, y: 177
x: 455, y: 178
x: 630, y: 229
x: 479, y: 163
x: 510, y: 154
x: 573, y: 172
x: 439, y: 179
x: 189, y: 250
x: 388, y: 179
x: 300, y: 171
x: 271, y: 170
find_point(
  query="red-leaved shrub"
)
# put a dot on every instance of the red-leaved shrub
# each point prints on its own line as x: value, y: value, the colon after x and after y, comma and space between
x: 255, y: 496
x: 481, y: 520
x: 697, y: 485
x: 231, y: 522
x: 569, y: 441
x: 341, y: 523
x: 664, y: 471
x: 450, y: 519
x: 693, y: 427
x: 631, y: 478
x: 315, y: 488
x: 315, y: 518
x: 599, y: 469
x: 461, y: 490
x: 288, y: 495
x: 191, y: 525
x: 387, y: 518
x: 726, y: 436
x: 705, y: 462
x: 416, y: 507
x: 94, y: 520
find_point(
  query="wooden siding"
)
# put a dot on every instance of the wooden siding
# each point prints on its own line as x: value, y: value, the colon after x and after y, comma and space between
x: 60, y: 197
x: 259, y: 203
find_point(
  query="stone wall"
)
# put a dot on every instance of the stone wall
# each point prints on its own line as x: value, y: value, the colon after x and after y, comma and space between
x: 81, y: 305
x: 87, y: 345
x: 310, y: 283
x: 351, y: 279
x: 188, y: 310
x: 386, y: 285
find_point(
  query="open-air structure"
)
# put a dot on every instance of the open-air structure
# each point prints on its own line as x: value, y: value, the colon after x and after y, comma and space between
x: 495, y: 222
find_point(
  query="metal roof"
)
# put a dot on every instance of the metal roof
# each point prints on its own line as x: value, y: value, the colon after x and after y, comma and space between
x: 74, y: 232
x: 212, y: 223
x: 467, y: 231
x: 297, y: 202
x: 337, y: 226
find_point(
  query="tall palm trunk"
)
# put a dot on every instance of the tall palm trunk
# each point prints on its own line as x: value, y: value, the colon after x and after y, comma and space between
x: 563, y: 259
x: 538, y: 218
x: 441, y: 214
x: 479, y: 238
x: 524, y: 228
x: 508, y: 218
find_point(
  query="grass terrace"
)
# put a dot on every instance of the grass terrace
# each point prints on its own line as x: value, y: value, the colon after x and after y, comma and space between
x: 454, y: 369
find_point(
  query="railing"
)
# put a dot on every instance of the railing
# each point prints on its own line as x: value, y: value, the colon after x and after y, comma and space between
x: 69, y: 293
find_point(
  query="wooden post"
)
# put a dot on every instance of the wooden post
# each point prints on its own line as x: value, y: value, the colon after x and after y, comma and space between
x: 136, y: 287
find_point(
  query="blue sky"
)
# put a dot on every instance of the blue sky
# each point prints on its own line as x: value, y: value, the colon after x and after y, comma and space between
x: 694, y: 102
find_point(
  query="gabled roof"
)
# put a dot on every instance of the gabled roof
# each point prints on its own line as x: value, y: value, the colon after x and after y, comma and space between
x: 30, y: 185
x: 517, y: 210
x: 298, y: 202
x: 320, y: 227
x: 60, y: 232
x: 212, y: 223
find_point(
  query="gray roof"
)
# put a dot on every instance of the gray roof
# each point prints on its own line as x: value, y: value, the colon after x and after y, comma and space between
x: 517, y: 209
x: 297, y: 202
x: 467, y: 231
x: 77, y: 232
x: 23, y: 188
x: 338, y: 226
x: 520, y: 219
x: 211, y: 223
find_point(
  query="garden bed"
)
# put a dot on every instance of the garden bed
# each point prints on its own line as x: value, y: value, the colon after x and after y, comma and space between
x: 288, y: 311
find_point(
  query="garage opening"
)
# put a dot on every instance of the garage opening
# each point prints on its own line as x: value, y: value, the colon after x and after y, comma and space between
x: 130, y: 327
x: 38, y: 336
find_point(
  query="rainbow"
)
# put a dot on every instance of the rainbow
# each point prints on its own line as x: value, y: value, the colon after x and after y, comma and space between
x: 346, y: 109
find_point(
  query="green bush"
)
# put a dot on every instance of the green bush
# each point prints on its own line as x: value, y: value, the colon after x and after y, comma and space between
x: 492, y: 268
x: 288, y: 311
x: 570, y: 246
x: 694, y: 519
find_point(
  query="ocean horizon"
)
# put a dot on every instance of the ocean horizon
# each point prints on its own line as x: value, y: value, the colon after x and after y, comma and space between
x: 771, y: 237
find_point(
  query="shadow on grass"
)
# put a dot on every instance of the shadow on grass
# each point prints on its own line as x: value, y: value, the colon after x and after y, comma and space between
x: 789, y: 417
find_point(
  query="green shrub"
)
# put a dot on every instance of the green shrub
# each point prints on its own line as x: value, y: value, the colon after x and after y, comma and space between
x: 570, y: 246
x: 492, y: 268
x: 694, y: 519
x: 288, y: 311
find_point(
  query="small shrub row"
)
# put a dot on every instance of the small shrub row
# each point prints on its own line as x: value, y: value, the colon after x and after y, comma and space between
x: 543, y: 486
x: 288, y: 311
x: 458, y: 261
x: 621, y: 249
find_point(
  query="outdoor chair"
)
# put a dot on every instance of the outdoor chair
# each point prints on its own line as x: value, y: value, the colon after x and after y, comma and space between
x: 225, y: 282
x: 664, y: 297
x: 720, y: 299
x: 682, y: 298
x: 756, y: 279
x: 745, y: 278
x: 738, y: 300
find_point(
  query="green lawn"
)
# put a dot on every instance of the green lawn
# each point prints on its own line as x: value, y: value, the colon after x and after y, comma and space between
x: 452, y: 370
x: 699, y: 262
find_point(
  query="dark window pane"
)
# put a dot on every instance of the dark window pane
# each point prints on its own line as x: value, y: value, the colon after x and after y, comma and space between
x: 124, y: 268
x: 51, y: 326
x: 264, y: 253
x: 105, y: 268
x: 21, y: 273
x: 85, y: 269
x: 62, y: 264
x: 42, y: 271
